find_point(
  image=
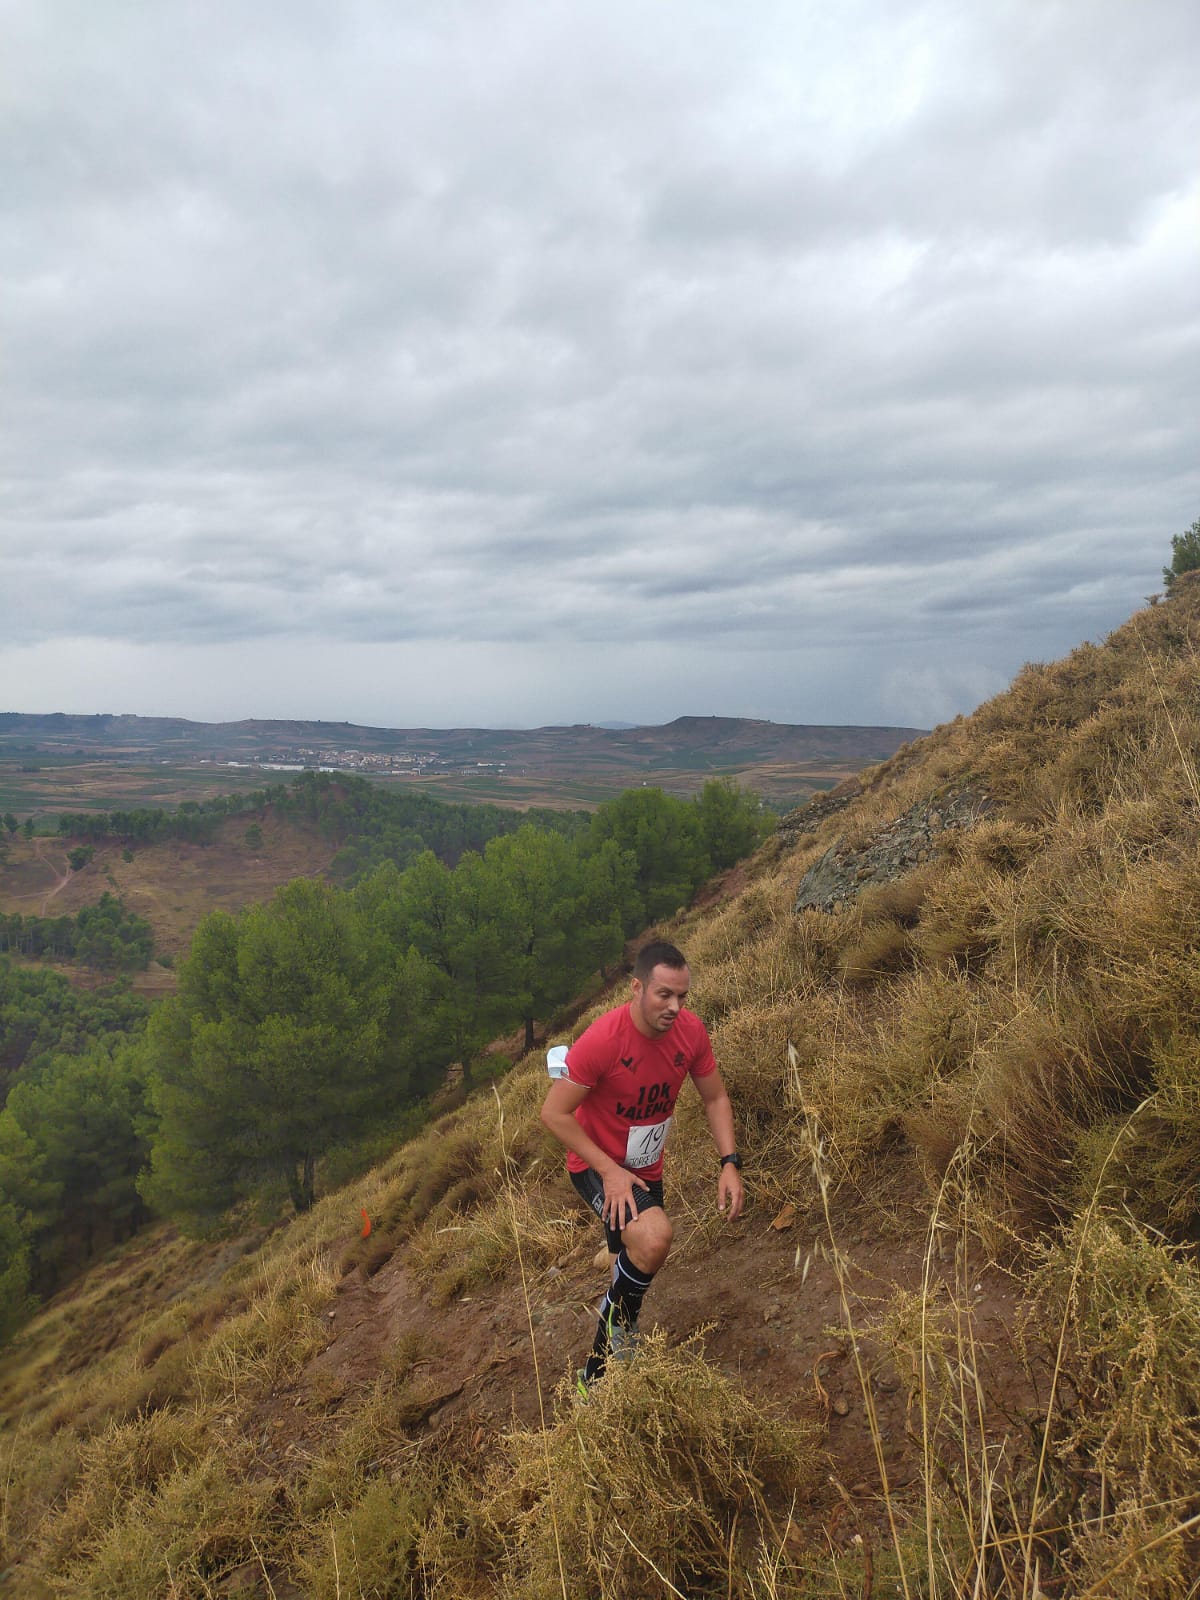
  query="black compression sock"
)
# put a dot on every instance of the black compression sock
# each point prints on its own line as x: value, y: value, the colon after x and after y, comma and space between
x: 628, y: 1286
x: 620, y: 1305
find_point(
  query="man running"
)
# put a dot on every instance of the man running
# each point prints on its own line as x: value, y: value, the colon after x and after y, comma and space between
x: 612, y: 1112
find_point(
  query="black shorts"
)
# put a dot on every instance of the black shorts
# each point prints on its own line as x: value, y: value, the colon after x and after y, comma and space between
x: 591, y: 1186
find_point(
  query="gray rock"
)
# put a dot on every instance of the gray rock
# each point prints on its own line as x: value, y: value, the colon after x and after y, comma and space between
x: 905, y: 843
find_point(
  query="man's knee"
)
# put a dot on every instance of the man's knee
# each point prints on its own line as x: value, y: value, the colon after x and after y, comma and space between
x: 648, y: 1239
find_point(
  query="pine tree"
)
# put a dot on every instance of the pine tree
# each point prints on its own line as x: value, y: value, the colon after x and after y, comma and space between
x: 1185, y: 554
x: 274, y: 1049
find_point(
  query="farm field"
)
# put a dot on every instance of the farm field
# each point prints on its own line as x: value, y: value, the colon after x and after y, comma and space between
x: 110, y: 786
x: 75, y: 784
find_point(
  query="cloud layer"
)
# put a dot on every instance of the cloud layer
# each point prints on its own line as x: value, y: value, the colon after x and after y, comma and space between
x: 513, y: 363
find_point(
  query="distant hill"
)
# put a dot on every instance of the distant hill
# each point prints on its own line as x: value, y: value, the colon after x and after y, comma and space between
x: 61, y: 733
x: 575, y: 766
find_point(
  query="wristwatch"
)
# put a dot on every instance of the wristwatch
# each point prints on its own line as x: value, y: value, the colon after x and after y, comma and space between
x: 732, y: 1160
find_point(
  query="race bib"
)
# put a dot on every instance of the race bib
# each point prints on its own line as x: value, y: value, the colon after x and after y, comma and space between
x: 645, y: 1144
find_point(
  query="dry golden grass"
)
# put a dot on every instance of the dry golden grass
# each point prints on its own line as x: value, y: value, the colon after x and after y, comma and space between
x: 1107, y: 1501
x: 665, y: 1482
x: 203, y: 1522
x: 451, y: 1257
x: 368, y: 1546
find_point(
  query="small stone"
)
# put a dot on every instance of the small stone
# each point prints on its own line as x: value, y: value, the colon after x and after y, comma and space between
x: 841, y: 1406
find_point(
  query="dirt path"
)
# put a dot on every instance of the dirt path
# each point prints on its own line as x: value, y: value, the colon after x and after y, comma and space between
x: 60, y: 883
x: 765, y: 1318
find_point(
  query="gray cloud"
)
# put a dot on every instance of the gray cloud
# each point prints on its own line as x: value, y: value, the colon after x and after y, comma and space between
x: 811, y: 357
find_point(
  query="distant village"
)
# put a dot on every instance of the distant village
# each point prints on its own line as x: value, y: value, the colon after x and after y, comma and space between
x: 400, y: 765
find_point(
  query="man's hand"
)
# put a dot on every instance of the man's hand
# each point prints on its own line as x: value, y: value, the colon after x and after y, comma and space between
x: 730, y: 1191
x: 620, y: 1205
x: 720, y: 1120
x: 558, y: 1114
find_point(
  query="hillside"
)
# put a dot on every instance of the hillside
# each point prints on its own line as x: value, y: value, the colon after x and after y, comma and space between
x: 952, y: 1348
x: 163, y: 871
x: 172, y: 883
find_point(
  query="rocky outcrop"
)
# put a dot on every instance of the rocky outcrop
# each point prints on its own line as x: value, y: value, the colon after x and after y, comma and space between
x: 904, y: 844
x: 813, y: 812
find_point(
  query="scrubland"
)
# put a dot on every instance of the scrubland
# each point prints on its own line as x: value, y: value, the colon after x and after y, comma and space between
x: 1008, y: 1035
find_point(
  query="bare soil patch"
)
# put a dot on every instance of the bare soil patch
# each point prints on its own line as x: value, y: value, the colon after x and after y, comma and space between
x: 26, y: 878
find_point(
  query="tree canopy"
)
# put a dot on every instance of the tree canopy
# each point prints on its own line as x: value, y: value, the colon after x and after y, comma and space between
x: 279, y: 1043
x: 1185, y: 554
x: 107, y: 936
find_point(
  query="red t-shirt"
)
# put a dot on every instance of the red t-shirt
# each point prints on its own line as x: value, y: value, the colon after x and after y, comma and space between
x: 633, y: 1082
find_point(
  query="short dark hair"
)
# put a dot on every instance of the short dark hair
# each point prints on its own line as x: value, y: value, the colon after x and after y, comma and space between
x: 657, y: 954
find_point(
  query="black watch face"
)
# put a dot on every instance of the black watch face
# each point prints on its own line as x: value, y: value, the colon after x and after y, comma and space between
x: 732, y: 1161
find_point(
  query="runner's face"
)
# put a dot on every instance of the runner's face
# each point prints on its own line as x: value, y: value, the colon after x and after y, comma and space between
x: 657, y: 1002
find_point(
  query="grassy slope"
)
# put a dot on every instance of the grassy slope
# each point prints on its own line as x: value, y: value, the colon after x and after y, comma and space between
x: 992, y: 1060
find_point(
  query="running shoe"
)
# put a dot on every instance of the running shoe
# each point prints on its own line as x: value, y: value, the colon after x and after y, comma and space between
x: 623, y: 1342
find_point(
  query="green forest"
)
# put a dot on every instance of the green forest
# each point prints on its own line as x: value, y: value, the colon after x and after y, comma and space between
x: 322, y: 1019
x: 370, y: 824
x: 106, y: 936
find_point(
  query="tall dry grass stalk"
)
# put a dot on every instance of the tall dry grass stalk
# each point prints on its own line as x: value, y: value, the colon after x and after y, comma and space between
x: 992, y: 1524
x: 816, y: 1150
x: 537, y: 1371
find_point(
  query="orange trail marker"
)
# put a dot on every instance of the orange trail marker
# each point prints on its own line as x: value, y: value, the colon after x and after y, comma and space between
x: 366, y: 1228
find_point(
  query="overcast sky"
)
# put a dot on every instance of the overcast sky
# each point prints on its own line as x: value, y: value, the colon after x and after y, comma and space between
x: 508, y: 362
